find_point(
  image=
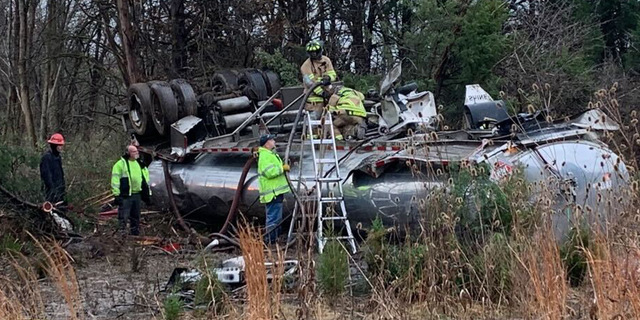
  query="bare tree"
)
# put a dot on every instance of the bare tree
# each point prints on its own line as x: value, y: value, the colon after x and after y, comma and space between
x: 549, y: 50
x: 128, y: 42
x: 23, y: 7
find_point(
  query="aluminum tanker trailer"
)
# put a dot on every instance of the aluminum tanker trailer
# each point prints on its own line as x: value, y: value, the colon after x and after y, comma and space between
x: 205, y: 159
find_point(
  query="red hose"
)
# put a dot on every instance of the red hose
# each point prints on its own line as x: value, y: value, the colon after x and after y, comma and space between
x: 236, y: 199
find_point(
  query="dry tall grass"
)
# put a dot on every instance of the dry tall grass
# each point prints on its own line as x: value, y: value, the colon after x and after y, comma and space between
x: 544, y: 285
x: 20, y: 296
x: 252, y: 248
x: 614, y: 272
x: 263, y: 300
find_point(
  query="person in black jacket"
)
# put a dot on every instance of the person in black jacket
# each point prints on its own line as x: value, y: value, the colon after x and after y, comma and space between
x: 51, y: 172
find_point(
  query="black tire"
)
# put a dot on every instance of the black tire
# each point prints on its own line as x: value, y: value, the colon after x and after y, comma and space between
x: 139, y: 104
x: 164, y: 110
x: 272, y: 80
x: 185, y: 96
x: 252, y: 84
x: 224, y: 82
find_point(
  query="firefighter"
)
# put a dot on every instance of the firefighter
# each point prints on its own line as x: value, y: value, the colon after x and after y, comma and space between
x: 317, y: 68
x: 51, y: 172
x: 272, y: 184
x: 347, y: 107
x: 129, y: 184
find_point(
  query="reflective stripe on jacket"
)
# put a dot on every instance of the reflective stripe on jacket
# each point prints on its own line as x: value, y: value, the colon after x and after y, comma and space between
x: 349, y: 100
x: 126, y: 180
x: 271, y: 181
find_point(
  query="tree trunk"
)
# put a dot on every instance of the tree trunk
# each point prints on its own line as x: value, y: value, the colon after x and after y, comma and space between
x: 49, y: 37
x: 128, y: 43
x: 355, y: 18
x: 179, y: 36
x: 23, y: 79
x: 296, y: 13
x: 111, y: 42
x: 14, y: 101
x: 322, y: 16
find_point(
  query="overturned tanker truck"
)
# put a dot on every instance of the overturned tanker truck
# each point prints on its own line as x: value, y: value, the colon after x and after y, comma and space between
x: 203, y: 143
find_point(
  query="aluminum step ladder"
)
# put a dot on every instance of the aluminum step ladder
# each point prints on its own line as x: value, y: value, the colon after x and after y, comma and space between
x: 329, y: 202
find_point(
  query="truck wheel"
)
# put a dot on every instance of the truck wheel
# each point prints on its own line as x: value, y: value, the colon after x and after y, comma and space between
x: 224, y: 81
x: 139, y: 103
x: 186, y: 98
x: 253, y: 85
x: 164, y: 106
x: 272, y: 81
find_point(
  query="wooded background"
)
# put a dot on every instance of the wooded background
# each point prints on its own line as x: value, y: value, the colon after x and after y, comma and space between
x: 64, y: 64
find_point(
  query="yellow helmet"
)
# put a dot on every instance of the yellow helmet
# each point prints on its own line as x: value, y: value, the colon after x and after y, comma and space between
x: 314, y: 49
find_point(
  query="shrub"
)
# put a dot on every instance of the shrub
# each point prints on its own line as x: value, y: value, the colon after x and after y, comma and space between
x: 289, y: 74
x: 173, y: 307
x: 333, y: 269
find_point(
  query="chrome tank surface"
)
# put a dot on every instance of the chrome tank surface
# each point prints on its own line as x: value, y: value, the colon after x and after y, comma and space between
x: 573, y: 171
x: 580, y: 172
x: 206, y: 187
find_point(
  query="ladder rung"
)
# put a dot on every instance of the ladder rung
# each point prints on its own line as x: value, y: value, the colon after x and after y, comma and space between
x: 319, y: 141
x: 339, y: 238
x: 319, y: 122
x: 336, y: 199
x: 326, y: 160
x: 334, y: 218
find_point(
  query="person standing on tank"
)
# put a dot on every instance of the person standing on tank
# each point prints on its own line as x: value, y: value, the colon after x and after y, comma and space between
x: 272, y: 184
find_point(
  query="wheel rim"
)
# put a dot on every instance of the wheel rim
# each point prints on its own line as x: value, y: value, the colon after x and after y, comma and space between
x: 135, y: 113
x: 158, y: 115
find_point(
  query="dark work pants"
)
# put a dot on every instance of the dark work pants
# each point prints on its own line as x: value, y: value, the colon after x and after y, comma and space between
x: 274, y: 216
x: 130, y: 210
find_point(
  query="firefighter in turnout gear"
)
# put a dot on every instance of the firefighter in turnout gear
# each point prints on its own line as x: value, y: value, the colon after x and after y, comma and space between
x: 129, y: 184
x: 317, y: 68
x: 347, y: 107
x: 51, y: 172
x: 272, y: 184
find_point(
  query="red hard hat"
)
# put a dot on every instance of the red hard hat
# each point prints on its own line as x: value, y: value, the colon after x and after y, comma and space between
x: 56, y: 138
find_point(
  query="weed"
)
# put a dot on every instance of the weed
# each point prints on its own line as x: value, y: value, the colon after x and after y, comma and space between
x: 80, y: 222
x: 573, y: 255
x: 209, y: 291
x: 173, y: 307
x: 494, y: 267
x: 9, y: 245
